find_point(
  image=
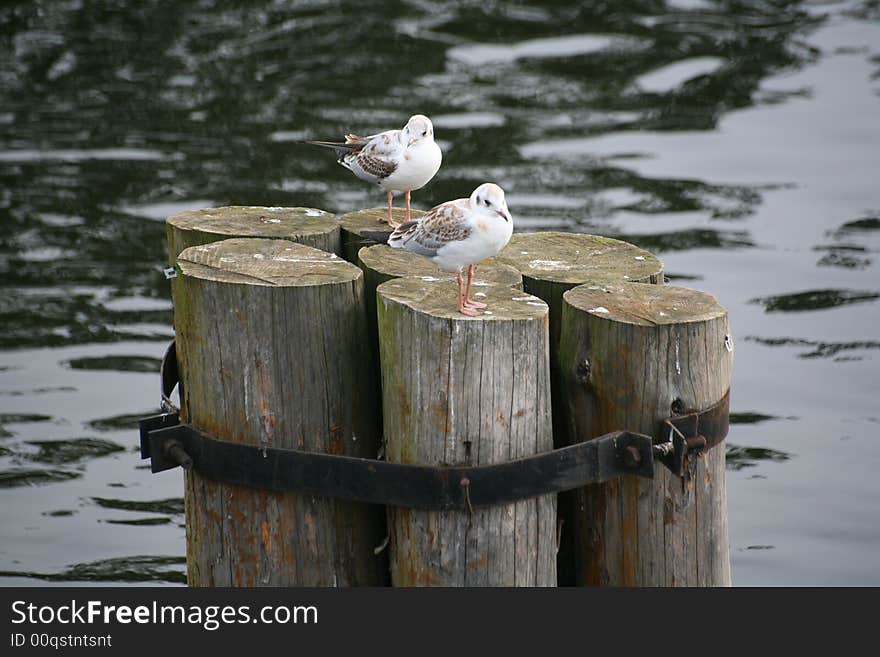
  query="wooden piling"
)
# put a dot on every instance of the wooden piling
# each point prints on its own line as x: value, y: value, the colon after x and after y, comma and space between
x: 309, y: 226
x: 630, y: 355
x: 354, y: 224
x: 466, y: 391
x: 270, y: 346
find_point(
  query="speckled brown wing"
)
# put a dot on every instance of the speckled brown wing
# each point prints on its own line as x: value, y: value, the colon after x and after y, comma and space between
x: 439, y: 226
x: 372, y: 167
x: 372, y: 158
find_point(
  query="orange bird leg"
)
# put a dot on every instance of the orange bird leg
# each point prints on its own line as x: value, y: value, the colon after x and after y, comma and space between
x: 408, y: 212
x: 390, y: 218
x: 470, y: 303
x: 463, y: 309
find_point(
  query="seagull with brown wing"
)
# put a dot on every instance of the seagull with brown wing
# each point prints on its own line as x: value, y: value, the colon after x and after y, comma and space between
x: 395, y: 160
x: 459, y: 234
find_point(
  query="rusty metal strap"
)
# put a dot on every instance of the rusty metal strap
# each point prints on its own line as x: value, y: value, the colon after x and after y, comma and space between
x: 395, y: 484
x: 169, y: 444
x: 712, y: 424
x: 691, y: 432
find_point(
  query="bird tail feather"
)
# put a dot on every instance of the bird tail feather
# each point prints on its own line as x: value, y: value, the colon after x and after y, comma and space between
x: 340, y: 148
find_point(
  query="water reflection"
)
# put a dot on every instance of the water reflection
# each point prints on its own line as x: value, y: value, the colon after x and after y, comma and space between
x: 117, y: 363
x: 118, y: 422
x: 649, y: 121
x: 814, y: 300
x: 173, y: 506
x: 818, y: 349
x: 71, y: 451
x: 125, y: 569
x: 16, y: 477
x: 747, y: 457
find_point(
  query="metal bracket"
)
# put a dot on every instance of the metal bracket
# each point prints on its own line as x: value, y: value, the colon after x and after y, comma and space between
x: 168, y: 444
x: 154, y: 423
x: 403, y: 485
x: 692, y: 432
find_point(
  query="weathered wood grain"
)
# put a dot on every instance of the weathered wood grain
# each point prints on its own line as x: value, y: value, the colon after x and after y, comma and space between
x: 626, y: 353
x: 270, y: 344
x: 466, y: 391
x: 309, y: 226
x: 354, y: 224
x: 552, y: 263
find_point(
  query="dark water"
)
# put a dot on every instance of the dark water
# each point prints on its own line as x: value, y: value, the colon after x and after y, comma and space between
x: 739, y: 140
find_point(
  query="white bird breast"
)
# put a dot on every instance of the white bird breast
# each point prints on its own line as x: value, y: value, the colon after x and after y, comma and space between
x: 484, y: 242
x: 416, y: 167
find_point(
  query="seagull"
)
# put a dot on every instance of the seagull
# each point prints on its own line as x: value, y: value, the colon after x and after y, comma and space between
x: 396, y: 160
x: 459, y: 234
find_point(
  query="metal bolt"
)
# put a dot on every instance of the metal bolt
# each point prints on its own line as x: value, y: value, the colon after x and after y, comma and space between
x: 175, y: 452
x: 632, y: 457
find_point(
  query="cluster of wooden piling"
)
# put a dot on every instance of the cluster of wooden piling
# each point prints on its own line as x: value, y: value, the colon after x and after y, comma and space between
x: 293, y: 330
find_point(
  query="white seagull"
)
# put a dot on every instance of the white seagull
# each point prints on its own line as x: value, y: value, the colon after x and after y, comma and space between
x: 459, y: 234
x: 396, y: 160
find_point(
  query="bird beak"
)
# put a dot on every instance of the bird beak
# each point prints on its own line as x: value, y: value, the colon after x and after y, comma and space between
x: 505, y: 213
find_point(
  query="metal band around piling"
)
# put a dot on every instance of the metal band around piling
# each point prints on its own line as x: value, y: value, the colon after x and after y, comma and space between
x: 397, y: 484
x: 170, y: 444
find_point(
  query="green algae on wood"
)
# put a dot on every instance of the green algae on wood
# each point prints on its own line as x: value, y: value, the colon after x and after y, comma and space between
x: 388, y: 263
x: 381, y: 263
x: 576, y: 258
x: 270, y: 344
x: 552, y: 263
x: 460, y: 390
x: 309, y: 226
x: 439, y: 300
x: 628, y: 354
x: 655, y: 305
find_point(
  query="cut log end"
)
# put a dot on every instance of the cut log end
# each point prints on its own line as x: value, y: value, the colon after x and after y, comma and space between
x: 440, y: 298
x: 396, y: 263
x: 309, y: 226
x: 256, y: 221
x: 576, y: 258
x: 273, y: 263
x: 644, y: 305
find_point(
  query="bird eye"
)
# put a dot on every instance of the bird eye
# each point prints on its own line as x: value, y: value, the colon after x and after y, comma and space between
x: 425, y: 133
x: 486, y: 202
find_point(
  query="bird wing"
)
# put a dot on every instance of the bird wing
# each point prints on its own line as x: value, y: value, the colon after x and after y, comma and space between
x: 438, y: 227
x: 375, y: 157
x: 372, y: 158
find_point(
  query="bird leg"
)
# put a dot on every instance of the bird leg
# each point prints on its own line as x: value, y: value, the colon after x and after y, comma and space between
x: 468, y: 302
x: 463, y: 309
x: 390, y: 217
x: 408, y: 212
